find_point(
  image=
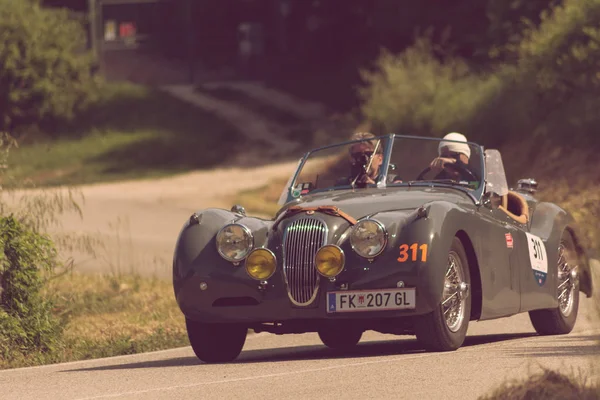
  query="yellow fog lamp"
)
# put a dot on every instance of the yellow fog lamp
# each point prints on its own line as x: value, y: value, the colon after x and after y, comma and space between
x: 330, y: 260
x: 261, y: 264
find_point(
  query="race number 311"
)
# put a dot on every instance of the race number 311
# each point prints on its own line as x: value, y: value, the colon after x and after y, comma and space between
x: 537, y: 253
x: 413, y: 252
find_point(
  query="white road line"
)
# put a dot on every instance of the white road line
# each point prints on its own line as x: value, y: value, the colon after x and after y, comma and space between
x: 304, y: 371
x: 113, y: 358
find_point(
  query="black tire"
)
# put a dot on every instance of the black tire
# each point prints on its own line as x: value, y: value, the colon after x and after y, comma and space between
x: 554, y: 321
x: 431, y: 329
x: 214, y: 343
x: 340, y: 337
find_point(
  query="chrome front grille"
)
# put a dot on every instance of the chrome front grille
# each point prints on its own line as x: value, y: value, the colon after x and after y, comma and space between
x: 301, y: 240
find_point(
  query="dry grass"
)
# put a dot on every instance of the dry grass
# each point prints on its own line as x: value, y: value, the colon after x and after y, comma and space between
x: 263, y: 200
x: 548, y: 385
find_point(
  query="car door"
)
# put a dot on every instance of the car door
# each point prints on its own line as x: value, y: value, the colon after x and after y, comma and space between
x: 519, y: 253
x: 501, y: 273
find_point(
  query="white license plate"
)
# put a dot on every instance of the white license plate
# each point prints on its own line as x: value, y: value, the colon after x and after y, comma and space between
x: 371, y: 300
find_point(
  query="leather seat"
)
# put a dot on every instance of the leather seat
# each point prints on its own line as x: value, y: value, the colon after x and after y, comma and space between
x: 515, y: 206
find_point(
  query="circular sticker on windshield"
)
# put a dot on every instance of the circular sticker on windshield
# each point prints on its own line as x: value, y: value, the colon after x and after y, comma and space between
x: 296, y: 193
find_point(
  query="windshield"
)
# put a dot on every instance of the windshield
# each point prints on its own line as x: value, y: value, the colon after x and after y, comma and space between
x: 390, y: 161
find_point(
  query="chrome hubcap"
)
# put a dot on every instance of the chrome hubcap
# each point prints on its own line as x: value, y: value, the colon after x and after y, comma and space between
x: 568, y: 279
x: 456, y: 291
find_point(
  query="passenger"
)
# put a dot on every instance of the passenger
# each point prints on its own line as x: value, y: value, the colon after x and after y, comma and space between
x: 365, y: 161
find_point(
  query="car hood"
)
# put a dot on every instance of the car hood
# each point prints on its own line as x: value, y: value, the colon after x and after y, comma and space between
x: 361, y: 202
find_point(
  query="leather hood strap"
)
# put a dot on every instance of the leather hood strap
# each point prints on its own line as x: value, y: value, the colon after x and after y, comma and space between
x: 331, y: 210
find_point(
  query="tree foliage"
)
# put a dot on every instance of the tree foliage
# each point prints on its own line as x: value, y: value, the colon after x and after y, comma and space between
x: 549, y: 87
x: 46, y: 74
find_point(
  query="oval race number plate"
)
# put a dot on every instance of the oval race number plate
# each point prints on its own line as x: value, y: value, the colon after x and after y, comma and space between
x: 371, y: 300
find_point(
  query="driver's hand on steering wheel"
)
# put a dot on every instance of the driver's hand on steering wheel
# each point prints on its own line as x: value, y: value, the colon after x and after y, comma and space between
x: 437, y: 165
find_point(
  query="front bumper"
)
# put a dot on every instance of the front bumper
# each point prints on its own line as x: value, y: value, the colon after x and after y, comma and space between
x: 235, y: 298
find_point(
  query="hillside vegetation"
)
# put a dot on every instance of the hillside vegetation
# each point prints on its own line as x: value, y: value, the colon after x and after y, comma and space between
x: 538, y: 104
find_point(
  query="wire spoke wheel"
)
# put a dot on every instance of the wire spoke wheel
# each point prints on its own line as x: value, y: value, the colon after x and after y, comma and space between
x: 445, y: 328
x: 453, y: 300
x: 567, y: 285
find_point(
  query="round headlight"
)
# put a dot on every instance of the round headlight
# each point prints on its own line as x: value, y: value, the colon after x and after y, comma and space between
x: 261, y: 264
x: 234, y: 242
x: 329, y: 261
x: 368, y: 238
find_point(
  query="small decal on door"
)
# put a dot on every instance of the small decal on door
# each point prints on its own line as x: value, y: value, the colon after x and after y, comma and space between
x: 509, y: 240
x: 538, y: 258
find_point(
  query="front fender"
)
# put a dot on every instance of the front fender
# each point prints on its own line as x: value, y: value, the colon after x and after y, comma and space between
x: 195, y: 247
x: 434, y: 231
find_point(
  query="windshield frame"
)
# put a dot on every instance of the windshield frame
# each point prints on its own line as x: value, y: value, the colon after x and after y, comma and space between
x: 475, y: 194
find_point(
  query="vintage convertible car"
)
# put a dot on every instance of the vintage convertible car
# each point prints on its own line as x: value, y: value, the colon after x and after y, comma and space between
x: 409, y: 254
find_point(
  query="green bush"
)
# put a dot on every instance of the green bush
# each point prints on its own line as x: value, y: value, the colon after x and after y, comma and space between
x: 45, y: 72
x: 416, y: 92
x: 28, y: 260
x: 26, y: 321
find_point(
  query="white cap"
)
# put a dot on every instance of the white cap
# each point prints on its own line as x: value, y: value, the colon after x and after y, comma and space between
x: 456, y: 147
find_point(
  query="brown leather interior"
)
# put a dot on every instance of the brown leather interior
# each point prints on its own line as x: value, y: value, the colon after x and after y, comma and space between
x: 515, y: 206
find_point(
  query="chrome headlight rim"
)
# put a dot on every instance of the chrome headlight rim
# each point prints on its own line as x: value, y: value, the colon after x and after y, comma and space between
x: 385, y: 237
x: 248, y: 251
x: 343, y: 260
x: 260, y: 249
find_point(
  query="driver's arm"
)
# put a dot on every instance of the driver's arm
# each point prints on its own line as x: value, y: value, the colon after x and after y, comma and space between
x: 438, y: 163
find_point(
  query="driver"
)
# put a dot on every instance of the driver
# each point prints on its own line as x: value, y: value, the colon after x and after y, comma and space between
x: 365, y: 161
x: 451, y: 153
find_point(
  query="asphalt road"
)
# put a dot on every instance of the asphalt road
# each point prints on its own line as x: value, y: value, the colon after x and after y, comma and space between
x: 300, y: 367
x: 270, y: 366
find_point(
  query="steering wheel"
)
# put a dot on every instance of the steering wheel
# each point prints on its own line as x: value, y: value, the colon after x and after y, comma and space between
x: 462, y: 170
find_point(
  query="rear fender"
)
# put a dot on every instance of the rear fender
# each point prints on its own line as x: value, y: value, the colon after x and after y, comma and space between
x: 549, y: 221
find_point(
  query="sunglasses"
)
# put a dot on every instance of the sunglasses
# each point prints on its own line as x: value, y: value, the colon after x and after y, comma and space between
x: 361, y: 154
x: 450, y: 154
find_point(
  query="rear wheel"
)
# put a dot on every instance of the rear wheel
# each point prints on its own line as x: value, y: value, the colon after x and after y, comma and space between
x: 445, y: 328
x: 216, y: 342
x: 561, y: 320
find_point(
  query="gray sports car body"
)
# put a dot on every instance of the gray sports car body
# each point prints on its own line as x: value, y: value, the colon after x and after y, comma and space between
x: 412, y: 255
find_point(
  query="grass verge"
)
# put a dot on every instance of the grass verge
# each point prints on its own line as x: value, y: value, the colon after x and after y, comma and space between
x: 239, y: 97
x: 132, y: 131
x: 287, y: 123
x: 110, y: 315
x: 548, y: 385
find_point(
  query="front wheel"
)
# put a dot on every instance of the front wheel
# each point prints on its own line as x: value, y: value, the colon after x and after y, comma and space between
x: 340, y: 336
x: 213, y: 343
x: 445, y: 328
x: 561, y: 320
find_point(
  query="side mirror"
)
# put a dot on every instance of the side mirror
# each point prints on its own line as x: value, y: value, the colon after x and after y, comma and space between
x: 491, y: 200
x: 238, y: 209
x: 528, y: 185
